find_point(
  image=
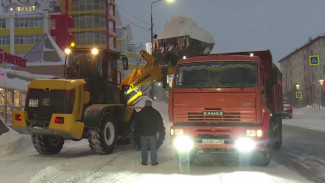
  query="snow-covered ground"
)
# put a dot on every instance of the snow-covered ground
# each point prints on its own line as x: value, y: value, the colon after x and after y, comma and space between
x: 76, y: 163
x: 309, y: 118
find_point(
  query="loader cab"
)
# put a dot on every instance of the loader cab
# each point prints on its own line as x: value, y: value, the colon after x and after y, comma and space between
x: 98, y: 67
x: 93, y: 63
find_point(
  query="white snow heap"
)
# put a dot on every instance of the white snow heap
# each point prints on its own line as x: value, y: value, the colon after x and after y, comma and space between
x: 182, y: 26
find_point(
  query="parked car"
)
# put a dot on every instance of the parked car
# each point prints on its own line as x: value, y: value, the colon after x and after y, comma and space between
x: 287, y: 111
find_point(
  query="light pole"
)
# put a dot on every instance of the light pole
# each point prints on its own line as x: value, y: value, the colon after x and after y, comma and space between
x: 67, y: 52
x: 297, y: 87
x: 151, y: 23
x: 321, y: 82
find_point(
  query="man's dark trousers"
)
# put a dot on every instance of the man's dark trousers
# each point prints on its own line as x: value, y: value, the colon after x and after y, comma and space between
x: 149, y: 142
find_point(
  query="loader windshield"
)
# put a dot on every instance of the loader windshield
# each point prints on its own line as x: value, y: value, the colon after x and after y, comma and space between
x: 81, y: 64
x: 216, y: 74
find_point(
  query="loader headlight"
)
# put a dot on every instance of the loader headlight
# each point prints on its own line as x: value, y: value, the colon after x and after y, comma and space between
x: 183, y: 143
x: 245, y: 144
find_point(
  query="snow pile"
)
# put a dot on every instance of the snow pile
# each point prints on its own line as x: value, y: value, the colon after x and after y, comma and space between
x: 18, y: 80
x: 182, y: 26
x: 12, y: 141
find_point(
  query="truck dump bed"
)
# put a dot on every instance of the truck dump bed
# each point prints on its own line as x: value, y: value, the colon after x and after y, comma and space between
x: 170, y: 50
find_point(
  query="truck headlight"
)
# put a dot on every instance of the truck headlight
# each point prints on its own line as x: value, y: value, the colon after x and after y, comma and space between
x: 176, y: 132
x: 254, y: 133
x: 245, y: 144
x: 183, y: 143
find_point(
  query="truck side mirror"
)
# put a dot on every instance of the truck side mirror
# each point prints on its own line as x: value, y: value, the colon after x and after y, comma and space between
x: 165, y: 83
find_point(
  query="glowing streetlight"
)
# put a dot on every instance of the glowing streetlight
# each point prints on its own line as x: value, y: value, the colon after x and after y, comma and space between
x: 94, y: 51
x: 151, y: 25
x: 67, y: 52
x: 297, y: 86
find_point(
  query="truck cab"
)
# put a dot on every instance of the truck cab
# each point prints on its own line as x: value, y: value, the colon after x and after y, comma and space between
x: 220, y: 103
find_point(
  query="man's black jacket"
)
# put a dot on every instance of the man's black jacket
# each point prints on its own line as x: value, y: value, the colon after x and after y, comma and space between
x: 148, y: 121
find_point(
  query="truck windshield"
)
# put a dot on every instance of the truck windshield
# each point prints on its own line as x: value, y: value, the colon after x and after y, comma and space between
x: 216, y: 74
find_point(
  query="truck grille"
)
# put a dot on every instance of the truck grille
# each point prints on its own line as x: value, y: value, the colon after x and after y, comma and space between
x: 226, y: 117
x: 233, y: 115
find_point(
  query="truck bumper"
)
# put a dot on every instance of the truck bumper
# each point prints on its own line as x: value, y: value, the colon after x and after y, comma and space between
x: 69, y: 129
x: 221, y: 139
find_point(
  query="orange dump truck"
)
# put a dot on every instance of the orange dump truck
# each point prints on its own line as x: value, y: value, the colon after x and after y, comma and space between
x: 228, y: 102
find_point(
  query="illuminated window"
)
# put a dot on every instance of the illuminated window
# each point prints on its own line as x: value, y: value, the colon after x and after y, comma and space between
x: 16, y: 98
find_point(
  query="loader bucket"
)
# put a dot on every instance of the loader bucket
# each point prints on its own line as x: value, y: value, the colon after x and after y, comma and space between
x: 170, y: 50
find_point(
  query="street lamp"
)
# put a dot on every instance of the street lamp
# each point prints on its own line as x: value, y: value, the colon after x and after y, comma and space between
x: 321, y: 82
x: 297, y: 86
x: 67, y: 52
x: 151, y: 23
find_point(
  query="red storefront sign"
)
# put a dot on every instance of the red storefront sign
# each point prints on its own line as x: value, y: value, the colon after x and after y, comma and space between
x: 12, y: 59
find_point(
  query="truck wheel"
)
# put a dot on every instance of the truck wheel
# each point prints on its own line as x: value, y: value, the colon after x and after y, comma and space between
x: 47, y: 144
x: 102, y: 139
x: 135, y: 137
x: 277, y: 135
x: 262, y: 158
x: 184, y: 157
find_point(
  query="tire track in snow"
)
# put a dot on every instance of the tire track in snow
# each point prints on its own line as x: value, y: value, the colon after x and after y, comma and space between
x: 75, y: 170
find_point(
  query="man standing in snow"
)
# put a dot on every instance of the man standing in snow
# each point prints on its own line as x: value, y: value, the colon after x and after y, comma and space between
x: 148, y: 123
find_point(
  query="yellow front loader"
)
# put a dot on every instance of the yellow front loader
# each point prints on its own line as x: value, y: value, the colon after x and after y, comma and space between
x: 87, y: 103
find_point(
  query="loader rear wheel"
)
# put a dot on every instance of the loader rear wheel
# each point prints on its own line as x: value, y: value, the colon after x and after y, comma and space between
x: 135, y: 137
x: 102, y: 140
x: 47, y: 144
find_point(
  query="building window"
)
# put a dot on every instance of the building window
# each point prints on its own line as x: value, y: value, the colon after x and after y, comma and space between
x: 86, y: 38
x: 2, y: 23
x: 88, y: 4
x: 29, y: 22
x: 4, y: 40
x: 90, y: 20
x: 27, y: 39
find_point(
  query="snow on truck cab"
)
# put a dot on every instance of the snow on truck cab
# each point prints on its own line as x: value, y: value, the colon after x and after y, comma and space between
x: 227, y: 103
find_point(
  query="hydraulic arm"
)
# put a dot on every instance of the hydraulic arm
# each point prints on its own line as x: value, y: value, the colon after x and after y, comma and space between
x: 152, y: 71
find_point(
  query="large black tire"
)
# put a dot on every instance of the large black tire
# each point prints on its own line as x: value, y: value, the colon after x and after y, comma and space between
x: 135, y: 137
x: 262, y: 158
x: 278, y: 134
x: 102, y: 140
x: 47, y: 144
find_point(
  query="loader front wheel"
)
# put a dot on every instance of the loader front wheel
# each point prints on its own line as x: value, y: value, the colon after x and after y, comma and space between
x: 102, y: 140
x: 47, y: 144
x: 135, y: 136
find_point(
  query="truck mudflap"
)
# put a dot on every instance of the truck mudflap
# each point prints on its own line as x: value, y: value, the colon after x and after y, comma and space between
x: 221, y: 138
x: 60, y: 124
